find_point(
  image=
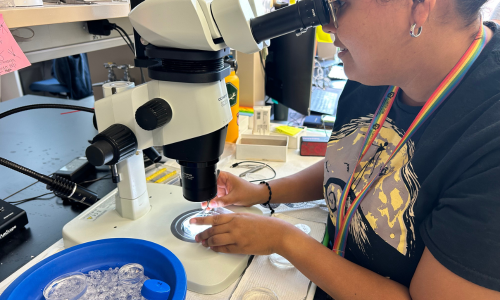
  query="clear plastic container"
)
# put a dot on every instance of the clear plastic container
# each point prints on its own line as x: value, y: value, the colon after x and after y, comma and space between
x: 259, y: 294
x: 70, y: 286
x: 131, y: 273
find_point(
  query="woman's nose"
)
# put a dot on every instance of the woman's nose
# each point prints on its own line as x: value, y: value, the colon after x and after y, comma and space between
x: 330, y: 28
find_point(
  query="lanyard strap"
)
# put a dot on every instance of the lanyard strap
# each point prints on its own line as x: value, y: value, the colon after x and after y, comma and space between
x: 446, y: 87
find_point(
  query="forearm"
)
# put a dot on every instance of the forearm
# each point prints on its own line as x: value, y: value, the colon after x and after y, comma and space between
x: 340, y: 278
x: 306, y: 185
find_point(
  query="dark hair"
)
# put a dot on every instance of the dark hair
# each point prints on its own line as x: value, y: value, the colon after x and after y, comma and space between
x: 469, y: 10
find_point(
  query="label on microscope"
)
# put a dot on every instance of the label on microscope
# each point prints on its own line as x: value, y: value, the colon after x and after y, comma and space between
x: 103, y: 208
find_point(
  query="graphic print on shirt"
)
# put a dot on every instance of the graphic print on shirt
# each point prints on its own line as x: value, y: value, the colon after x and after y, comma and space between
x: 388, y: 205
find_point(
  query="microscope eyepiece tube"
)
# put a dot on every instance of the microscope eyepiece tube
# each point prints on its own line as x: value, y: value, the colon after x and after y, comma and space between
x: 304, y: 14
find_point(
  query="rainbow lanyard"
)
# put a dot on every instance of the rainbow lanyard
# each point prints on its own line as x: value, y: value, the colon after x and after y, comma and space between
x: 440, y: 94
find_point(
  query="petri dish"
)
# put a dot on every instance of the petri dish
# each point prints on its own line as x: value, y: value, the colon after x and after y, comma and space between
x: 259, y: 294
x: 70, y: 286
x: 131, y: 273
x: 296, y: 205
x: 191, y: 230
x: 279, y: 261
x: 306, y: 229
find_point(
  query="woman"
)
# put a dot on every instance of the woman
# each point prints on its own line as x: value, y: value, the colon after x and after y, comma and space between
x: 428, y: 226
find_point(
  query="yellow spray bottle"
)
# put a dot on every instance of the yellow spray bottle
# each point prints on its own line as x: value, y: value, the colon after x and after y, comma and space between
x: 233, y: 87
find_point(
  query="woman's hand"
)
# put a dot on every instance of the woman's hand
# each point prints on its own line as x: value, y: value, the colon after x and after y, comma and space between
x: 245, y: 233
x: 232, y: 190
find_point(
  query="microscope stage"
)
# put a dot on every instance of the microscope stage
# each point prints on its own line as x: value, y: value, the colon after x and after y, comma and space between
x: 207, y: 272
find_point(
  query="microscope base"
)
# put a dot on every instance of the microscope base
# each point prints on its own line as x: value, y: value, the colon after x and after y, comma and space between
x: 207, y: 272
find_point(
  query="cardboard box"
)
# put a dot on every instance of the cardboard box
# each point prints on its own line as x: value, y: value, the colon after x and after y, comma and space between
x: 252, y: 79
x: 293, y: 141
x: 313, y: 145
x: 262, y: 147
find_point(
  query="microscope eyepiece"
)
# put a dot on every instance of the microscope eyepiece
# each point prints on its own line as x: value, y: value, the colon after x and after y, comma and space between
x: 300, y: 16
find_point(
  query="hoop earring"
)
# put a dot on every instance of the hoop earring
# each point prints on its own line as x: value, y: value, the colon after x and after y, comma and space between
x: 412, y: 30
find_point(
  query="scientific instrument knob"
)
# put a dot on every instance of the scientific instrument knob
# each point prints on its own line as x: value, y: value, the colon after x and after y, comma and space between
x: 232, y: 62
x: 154, y: 114
x: 112, y: 146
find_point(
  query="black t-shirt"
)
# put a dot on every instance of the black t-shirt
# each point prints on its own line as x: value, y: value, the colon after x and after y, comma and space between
x: 441, y: 191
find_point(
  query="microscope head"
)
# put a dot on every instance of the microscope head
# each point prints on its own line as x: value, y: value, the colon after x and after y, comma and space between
x: 212, y: 25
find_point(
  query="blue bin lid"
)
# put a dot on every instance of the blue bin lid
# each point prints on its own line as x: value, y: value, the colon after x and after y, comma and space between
x: 154, y: 289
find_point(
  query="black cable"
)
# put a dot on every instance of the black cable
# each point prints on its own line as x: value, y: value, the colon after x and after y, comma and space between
x: 126, y: 42
x: 130, y: 45
x: 257, y: 162
x: 126, y: 35
x: 37, y: 106
x: 118, y: 28
x: 97, y: 179
x: 20, y: 190
x: 18, y: 202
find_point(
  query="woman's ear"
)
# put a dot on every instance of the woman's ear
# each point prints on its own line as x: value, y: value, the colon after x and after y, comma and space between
x: 421, y: 11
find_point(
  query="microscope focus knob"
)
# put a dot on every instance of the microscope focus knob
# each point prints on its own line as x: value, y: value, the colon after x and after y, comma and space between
x: 112, y: 145
x: 154, y: 114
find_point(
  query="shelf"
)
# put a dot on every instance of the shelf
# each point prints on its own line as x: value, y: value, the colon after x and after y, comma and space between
x: 64, y: 13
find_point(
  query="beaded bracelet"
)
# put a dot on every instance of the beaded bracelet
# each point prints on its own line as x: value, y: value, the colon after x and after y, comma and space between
x: 268, y: 203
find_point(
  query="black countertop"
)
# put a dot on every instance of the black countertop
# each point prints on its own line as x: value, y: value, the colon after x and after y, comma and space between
x: 43, y: 140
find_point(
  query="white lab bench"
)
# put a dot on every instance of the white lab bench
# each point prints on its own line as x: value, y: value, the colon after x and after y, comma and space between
x: 315, y: 213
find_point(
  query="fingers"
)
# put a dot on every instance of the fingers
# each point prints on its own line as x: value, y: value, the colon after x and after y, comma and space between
x: 222, y: 201
x: 226, y: 249
x: 222, y: 179
x: 219, y: 240
x: 213, y: 220
x: 214, y: 230
x: 221, y: 191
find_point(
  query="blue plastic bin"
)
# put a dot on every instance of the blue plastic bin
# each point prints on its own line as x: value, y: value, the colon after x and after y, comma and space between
x: 158, y: 262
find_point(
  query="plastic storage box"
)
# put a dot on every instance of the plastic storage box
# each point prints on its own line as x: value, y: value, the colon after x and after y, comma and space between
x: 262, y: 147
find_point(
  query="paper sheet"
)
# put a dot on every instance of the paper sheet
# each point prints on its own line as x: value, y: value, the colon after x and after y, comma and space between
x: 289, y: 284
x: 12, y: 57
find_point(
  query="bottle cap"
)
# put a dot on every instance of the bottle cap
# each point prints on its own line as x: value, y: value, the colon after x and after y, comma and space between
x: 155, y: 290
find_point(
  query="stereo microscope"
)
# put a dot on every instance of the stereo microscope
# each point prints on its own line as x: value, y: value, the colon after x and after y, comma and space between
x: 185, y: 109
